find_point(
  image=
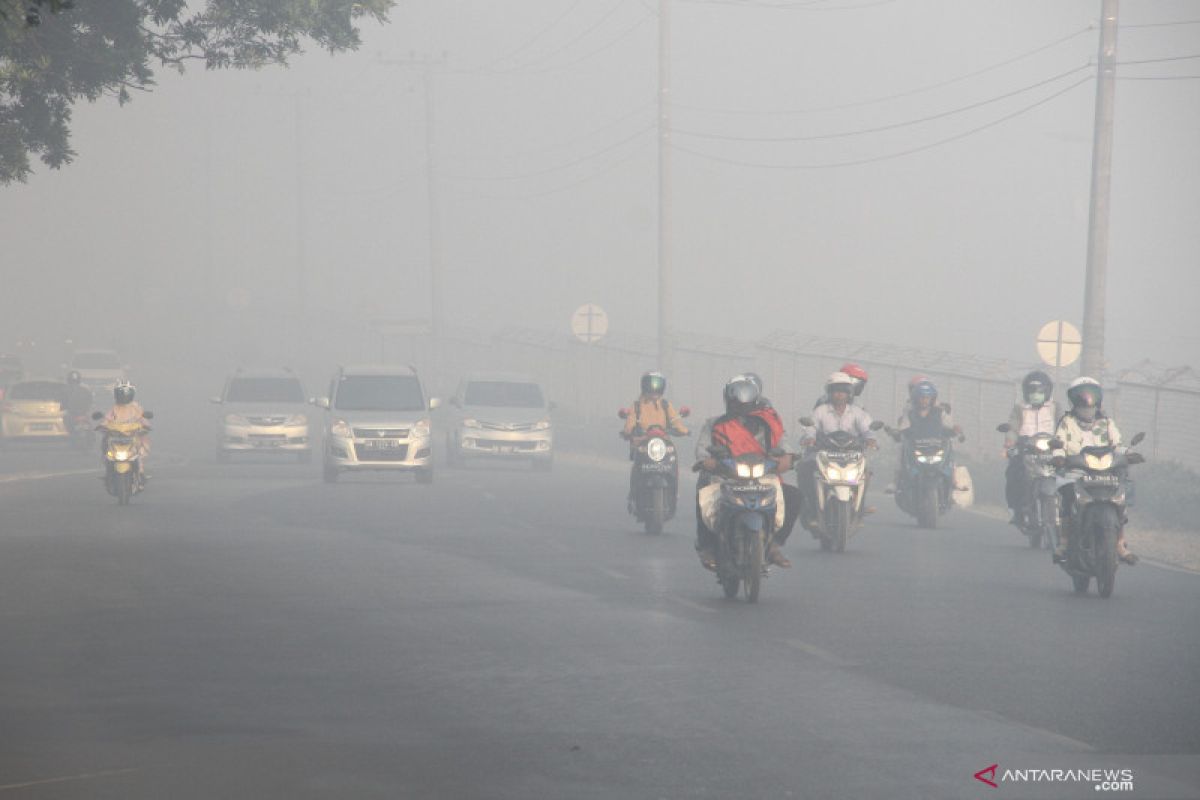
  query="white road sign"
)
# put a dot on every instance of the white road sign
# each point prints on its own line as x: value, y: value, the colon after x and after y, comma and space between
x: 589, y: 323
x: 1059, y: 343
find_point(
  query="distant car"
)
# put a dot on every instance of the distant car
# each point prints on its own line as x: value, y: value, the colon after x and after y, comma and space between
x: 263, y: 411
x: 34, y: 410
x: 377, y: 418
x: 501, y: 415
x: 98, y: 369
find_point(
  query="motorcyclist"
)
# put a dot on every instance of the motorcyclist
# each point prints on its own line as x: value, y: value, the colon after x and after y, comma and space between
x: 78, y: 400
x: 650, y: 410
x: 747, y: 426
x: 1085, y: 425
x: 858, y: 380
x: 1038, y: 414
x: 127, y: 410
x: 923, y: 416
x: 836, y: 414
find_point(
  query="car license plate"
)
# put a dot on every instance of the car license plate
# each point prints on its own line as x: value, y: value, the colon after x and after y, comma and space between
x: 42, y: 426
x: 380, y: 444
x: 268, y: 443
x: 504, y: 449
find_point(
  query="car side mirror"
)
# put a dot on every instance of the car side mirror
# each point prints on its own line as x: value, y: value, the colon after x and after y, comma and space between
x: 148, y: 414
x: 877, y: 425
x: 807, y: 422
x: 96, y: 415
x: 685, y: 412
x: 1003, y: 427
x: 217, y: 400
x: 623, y: 413
x: 1137, y: 439
x: 434, y: 402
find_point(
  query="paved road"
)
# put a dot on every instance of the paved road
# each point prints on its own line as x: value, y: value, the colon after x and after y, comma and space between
x: 248, y: 631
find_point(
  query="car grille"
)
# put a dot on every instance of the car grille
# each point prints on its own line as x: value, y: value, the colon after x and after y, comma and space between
x: 503, y: 444
x: 381, y: 454
x: 381, y: 433
x: 267, y: 422
x: 505, y: 426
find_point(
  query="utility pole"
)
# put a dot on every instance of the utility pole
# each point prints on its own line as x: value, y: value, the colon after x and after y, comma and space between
x: 666, y: 348
x: 1092, y: 361
x: 426, y: 63
x: 301, y: 221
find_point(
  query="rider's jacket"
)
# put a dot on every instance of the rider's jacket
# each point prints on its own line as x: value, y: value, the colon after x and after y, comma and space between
x: 126, y: 412
x: 934, y: 425
x: 78, y: 401
x: 648, y: 413
x: 1077, y: 434
x: 759, y: 432
x: 827, y: 420
x: 1026, y: 420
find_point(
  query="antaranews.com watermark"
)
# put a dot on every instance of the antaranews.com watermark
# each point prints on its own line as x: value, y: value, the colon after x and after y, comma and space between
x: 1101, y: 780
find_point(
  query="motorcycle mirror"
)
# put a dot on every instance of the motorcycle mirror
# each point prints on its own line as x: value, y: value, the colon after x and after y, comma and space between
x: 806, y: 422
x: 685, y: 412
x: 946, y: 407
x: 434, y: 402
x: 1137, y: 439
x: 1056, y: 443
x: 623, y: 413
x: 321, y: 402
x: 877, y: 425
x: 148, y: 414
x: 1136, y: 458
x: 96, y: 415
x: 1004, y: 427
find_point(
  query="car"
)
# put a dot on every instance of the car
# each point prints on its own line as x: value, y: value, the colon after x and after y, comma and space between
x: 377, y: 418
x: 263, y: 411
x: 98, y: 369
x: 34, y: 410
x: 501, y: 415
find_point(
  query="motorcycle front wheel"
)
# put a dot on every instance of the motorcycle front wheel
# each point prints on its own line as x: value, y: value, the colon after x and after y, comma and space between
x: 1106, y: 551
x: 927, y: 507
x: 657, y: 511
x: 754, y: 566
x: 124, y: 488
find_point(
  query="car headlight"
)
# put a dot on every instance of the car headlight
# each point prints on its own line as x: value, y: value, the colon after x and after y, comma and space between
x: 470, y: 423
x: 236, y: 419
x: 421, y: 429
x: 296, y: 419
x: 1098, y: 463
x: 656, y: 449
x: 340, y: 428
x: 543, y: 425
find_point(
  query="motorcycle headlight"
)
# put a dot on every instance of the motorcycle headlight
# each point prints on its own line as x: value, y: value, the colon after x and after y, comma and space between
x: 1042, y: 445
x: 1098, y: 463
x: 421, y: 429
x: 296, y: 419
x: 832, y: 473
x: 120, y: 455
x: 236, y: 419
x: 920, y: 457
x: 340, y: 428
x: 743, y: 471
x: 544, y: 425
x: 758, y: 470
x: 850, y: 473
x: 470, y: 423
x: 656, y: 449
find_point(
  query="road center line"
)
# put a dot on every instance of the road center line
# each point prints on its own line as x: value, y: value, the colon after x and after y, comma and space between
x: 821, y: 653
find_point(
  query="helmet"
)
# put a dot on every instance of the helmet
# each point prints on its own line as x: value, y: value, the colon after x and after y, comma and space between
x: 915, y: 380
x: 74, y: 378
x: 653, y: 383
x: 839, y: 382
x: 858, y: 374
x: 755, y: 379
x: 1085, y: 396
x: 740, y: 393
x: 923, y: 388
x: 1036, y: 387
x: 123, y: 393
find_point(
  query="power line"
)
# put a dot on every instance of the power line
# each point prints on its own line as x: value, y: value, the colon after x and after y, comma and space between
x: 604, y: 48
x: 898, y: 95
x: 606, y: 169
x: 1163, y: 24
x: 893, y: 126
x: 558, y: 167
x: 1158, y: 77
x: 568, y: 44
x: 811, y: 5
x: 1159, y: 60
x: 531, y: 41
x: 889, y: 156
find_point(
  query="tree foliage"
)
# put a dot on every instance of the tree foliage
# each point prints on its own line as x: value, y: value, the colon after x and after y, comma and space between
x: 56, y: 52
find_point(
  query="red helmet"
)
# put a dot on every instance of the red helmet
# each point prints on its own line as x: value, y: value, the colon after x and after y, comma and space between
x: 858, y: 374
x: 917, y: 379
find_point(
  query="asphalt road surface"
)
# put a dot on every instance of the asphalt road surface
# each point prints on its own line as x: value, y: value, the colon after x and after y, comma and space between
x: 247, y: 631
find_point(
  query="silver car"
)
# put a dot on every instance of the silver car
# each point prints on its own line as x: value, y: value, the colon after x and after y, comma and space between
x: 501, y: 415
x: 263, y: 411
x: 377, y: 418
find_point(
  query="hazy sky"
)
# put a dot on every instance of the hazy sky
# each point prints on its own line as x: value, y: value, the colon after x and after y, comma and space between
x: 545, y: 158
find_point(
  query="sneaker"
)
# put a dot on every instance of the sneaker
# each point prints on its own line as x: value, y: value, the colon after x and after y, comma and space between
x: 775, y: 556
x: 707, y: 559
x: 1058, y: 557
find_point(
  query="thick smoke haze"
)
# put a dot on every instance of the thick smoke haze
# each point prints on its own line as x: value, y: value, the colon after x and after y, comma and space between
x: 288, y: 195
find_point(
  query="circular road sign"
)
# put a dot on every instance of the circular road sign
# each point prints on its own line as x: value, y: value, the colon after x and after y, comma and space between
x: 1059, y: 343
x: 589, y: 323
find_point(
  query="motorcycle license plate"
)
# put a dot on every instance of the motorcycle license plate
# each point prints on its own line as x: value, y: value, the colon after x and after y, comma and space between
x: 380, y: 444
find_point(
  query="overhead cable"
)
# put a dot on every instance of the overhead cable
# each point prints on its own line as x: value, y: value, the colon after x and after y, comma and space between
x: 898, y: 95
x: 880, y: 128
x: 531, y: 41
x: 1158, y: 77
x: 542, y: 150
x: 910, y: 151
x: 566, y: 45
x: 603, y: 48
x: 1159, y: 60
x: 1162, y: 24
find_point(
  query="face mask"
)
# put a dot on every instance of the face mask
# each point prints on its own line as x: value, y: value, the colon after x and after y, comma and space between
x: 1037, y: 398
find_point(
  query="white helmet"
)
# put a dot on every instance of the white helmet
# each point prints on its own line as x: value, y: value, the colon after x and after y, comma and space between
x: 1085, y: 395
x: 839, y: 379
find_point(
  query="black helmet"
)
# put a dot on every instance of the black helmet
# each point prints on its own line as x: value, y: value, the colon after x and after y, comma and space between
x: 1037, y: 382
x: 654, y: 383
x: 754, y: 378
x: 740, y: 393
x: 123, y: 393
x: 74, y: 378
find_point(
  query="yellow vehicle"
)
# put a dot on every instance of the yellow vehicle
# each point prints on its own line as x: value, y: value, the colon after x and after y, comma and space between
x: 34, y: 410
x: 122, y: 456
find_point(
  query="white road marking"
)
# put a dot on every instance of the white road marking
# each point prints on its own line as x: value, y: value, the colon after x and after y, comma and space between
x: 612, y: 573
x: 84, y: 777
x: 38, y: 476
x: 821, y: 653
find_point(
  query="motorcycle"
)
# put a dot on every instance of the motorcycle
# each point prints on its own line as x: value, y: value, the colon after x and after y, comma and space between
x: 82, y: 436
x: 655, y: 479
x: 1099, y: 484
x: 122, y: 473
x: 1041, y: 516
x: 926, y: 482
x: 744, y: 519
x: 841, y: 482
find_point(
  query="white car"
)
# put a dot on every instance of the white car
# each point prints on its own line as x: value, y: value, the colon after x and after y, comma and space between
x: 263, y: 411
x: 501, y: 415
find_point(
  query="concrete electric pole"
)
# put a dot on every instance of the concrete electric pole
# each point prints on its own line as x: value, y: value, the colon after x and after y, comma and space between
x: 1092, y: 362
x: 666, y: 349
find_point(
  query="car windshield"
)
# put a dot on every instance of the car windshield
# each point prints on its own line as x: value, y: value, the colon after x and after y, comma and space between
x: 379, y: 393
x: 96, y: 361
x: 504, y: 394
x: 38, y: 390
x: 265, y: 390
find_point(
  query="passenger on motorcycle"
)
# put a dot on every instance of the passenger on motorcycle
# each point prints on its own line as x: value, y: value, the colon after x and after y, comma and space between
x: 836, y: 414
x: 78, y: 402
x: 1085, y: 425
x: 749, y: 425
x: 126, y: 409
x: 650, y: 410
x: 1038, y: 414
x: 858, y: 380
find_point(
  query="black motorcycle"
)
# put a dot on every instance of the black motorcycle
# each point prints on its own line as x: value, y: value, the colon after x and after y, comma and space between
x: 926, y: 481
x: 655, y: 479
x: 1096, y: 485
x: 1040, y: 517
x: 744, y: 521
